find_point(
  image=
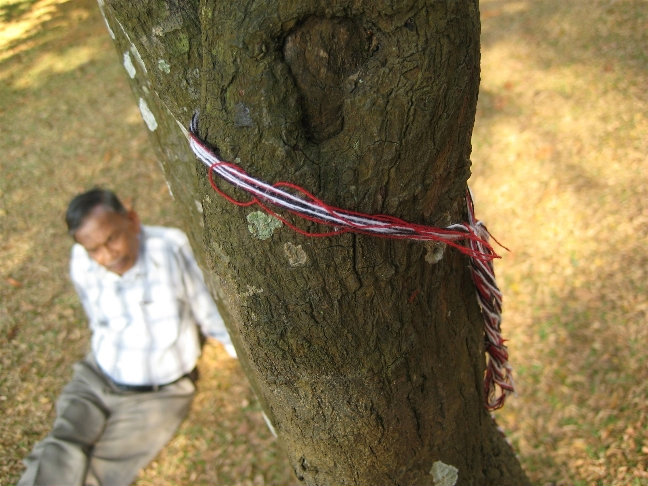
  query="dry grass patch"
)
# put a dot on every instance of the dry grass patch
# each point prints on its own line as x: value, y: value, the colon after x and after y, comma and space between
x: 561, y: 174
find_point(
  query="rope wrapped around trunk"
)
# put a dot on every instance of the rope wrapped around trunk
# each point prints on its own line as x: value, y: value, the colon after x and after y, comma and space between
x: 470, y: 238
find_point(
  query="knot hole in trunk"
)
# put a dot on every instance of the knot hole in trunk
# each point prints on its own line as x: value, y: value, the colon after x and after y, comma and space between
x: 322, y: 53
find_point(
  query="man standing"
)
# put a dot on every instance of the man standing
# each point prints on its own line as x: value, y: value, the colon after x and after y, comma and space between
x: 146, y: 300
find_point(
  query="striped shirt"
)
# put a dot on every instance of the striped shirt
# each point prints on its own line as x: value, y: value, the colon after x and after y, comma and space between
x: 144, y: 323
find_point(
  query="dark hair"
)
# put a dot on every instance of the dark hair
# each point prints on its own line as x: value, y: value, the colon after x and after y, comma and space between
x: 81, y: 205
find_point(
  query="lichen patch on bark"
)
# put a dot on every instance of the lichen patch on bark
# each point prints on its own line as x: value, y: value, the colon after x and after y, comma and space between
x: 295, y: 254
x: 262, y: 225
x: 444, y: 474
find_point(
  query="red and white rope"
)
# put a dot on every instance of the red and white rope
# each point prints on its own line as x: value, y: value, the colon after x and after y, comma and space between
x: 299, y: 202
x: 498, y: 380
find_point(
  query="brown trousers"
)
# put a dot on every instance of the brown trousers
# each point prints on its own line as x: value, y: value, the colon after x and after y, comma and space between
x: 103, y: 436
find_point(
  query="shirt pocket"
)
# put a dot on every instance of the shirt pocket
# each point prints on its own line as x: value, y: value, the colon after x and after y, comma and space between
x: 163, y: 316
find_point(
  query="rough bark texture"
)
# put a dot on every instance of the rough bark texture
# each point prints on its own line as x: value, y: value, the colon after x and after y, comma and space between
x: 366, y: 354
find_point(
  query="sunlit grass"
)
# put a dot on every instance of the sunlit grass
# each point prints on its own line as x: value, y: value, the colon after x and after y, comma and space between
x: 15, y: 30
x: 52, y: 63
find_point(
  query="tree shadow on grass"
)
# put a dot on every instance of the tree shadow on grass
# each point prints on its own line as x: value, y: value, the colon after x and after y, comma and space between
x: 599, y: 32
x: 602, y: 42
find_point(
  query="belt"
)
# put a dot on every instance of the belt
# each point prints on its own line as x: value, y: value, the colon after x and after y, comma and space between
x: 192, y: 375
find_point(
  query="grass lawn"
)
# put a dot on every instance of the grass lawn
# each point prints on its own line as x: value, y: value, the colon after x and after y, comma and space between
x: 560, y: 174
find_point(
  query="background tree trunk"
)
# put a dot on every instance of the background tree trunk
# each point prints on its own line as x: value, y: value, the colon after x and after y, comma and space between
x: 366, y: 354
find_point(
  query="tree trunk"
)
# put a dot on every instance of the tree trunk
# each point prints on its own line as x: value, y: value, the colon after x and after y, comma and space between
x: 367, y: 354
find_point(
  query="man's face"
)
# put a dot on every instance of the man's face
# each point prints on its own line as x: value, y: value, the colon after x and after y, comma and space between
x: 110, y: 238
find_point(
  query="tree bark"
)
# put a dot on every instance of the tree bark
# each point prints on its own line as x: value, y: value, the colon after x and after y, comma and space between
x: 367, y: 354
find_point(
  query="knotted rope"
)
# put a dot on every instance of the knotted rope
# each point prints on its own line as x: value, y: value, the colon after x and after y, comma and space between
x: 498, y: 380
x: 470, y: 238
